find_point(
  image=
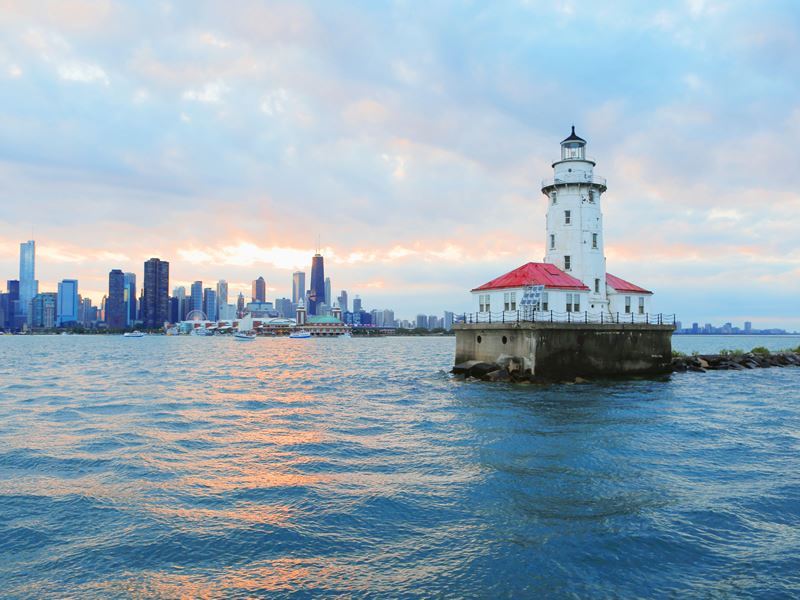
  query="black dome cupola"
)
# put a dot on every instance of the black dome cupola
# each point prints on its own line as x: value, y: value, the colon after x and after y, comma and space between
x: 573, y: 147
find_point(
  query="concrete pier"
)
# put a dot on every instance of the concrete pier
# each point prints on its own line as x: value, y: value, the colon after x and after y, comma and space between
x: 561, y: 351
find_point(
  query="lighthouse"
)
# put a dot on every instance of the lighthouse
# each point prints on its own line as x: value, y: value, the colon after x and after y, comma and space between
x: 574, y: 240
x: 567, y: 316
x: 572, y: 280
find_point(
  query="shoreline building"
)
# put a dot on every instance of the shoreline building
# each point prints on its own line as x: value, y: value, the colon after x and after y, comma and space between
x: 316, y: 294
x: 573, y: 277
x: 67, y: 303
x: 298, y: 287
x: 28, y: 286
x: 131, y: 308
x: 155, y: 299
x: 115, y: 301
x: 259, y: 293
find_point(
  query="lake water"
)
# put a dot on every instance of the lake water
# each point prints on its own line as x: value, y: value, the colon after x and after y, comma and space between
x: 206, y: 467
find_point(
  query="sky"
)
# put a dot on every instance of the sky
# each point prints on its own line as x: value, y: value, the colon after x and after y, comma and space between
x: 411, y: 137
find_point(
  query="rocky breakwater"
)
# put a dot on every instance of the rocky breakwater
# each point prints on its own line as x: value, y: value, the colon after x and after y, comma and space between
x: 735, y: 361
x: 513, y: 369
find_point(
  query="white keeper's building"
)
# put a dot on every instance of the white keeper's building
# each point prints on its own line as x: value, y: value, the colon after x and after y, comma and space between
x: 573, y: 276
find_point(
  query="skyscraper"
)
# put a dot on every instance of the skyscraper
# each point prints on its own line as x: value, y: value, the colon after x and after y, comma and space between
x: 240, y: 304
x: 155, y: 305
x: 115, y: 301
x: 210, y: 304
x: 28, y: 286
x: 179, y: 293
x: 357, y: 304
x: 67, y: 303
x: 43, y: 311
x: 328, y: 291
x: 298, y: 286
x: 316, y: 294
x: 12, y: 300
x: 343, y: 301
x: 259, y: 290
x: 197, y: 296
x: 130, y: 298
x: 222, y: 292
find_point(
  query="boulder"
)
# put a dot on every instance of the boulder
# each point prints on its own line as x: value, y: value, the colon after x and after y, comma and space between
x: 497, y: 375
x: 480, y: 369
x: 463, y: 368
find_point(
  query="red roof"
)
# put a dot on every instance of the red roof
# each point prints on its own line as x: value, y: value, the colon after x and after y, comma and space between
x: 550, y: 276
x: 620, y: 285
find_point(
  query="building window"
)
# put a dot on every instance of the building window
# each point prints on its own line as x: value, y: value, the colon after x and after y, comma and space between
x: 483, y: 302
x: 567, y: 263
x: 552, y: 241
x: 641, y: 306
x: 591, y: 196
x: 554, y: 198
x: 596, y: 286
x: 543, y: 302
x: 627, y: 305
x: 567, y: 217
x: 573, y: 302
x: 594, y: 240
x: 510, y: 301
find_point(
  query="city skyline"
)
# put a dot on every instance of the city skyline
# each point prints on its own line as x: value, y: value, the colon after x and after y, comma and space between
x: 239, y: 155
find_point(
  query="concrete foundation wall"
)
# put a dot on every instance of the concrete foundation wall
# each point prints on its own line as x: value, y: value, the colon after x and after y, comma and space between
x: 567, y: 350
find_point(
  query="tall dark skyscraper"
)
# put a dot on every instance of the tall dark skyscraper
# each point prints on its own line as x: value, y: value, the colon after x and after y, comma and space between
x: 115, y: 301
x: 11, y: 304
x: 316, y: 295
x: 259, y: 290
x: 155, y: 306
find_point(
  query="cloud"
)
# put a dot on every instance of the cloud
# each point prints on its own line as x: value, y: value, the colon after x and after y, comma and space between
x: 411, y: 137
x: 83, y: 72
x: 210, y: 93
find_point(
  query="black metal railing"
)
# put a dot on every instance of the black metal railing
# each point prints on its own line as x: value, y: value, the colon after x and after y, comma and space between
x: 551, y: 316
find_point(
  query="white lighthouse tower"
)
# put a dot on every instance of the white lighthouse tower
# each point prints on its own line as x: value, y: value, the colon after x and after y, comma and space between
x: 574, y: 240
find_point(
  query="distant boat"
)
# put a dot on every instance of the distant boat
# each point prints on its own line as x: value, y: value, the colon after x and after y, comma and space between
x: 300, y: 335
x: 133, y: 334
x: 346, y: 336
x: 201, y: 331
x: 245, y: 336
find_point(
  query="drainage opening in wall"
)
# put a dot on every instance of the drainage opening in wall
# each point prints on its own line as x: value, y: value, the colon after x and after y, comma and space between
x: 479, y: 339
x: 505, y: 340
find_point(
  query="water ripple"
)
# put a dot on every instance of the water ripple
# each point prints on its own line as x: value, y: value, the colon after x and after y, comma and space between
x: 202, y: 468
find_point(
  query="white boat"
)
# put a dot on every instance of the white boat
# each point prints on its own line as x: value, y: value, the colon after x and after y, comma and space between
x: 133, y: 334
x: 300, y: 335
x: 244, y: 336
x: 201, y: 331
x: 345, y: 336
